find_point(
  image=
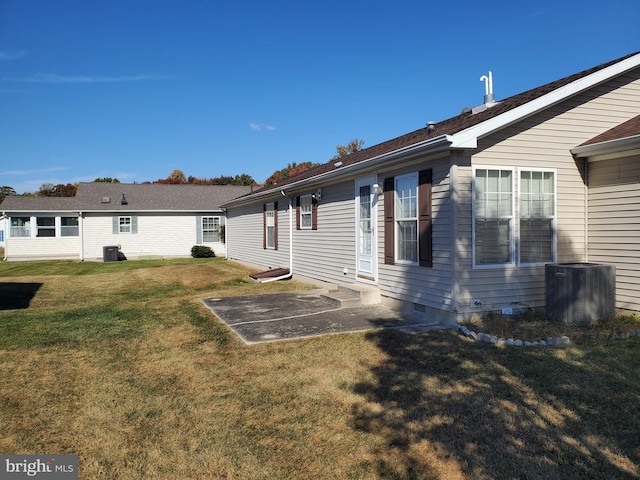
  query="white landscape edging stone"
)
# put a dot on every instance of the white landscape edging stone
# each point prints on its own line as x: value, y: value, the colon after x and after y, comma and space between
x: 510, y: 342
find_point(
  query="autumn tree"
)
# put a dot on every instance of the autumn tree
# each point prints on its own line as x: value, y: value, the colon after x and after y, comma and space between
x: 351, y: 147
x: 59, y: 190
x: 291, y: 170
x: 6, y: 191
x: 107, y: 180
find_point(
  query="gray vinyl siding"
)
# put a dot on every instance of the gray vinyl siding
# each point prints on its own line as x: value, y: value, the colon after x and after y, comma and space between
x: 244, y: 234
x: 325, y: 253
x: 614, y: 224
x: 322, y: 254
x: 541, y: 141
x: 430, y: 287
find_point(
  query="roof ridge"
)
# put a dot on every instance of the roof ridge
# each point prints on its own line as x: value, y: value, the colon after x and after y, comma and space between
x: 448, y: 126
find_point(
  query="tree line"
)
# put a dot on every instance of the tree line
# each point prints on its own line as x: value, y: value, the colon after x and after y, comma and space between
x: 177, y: 177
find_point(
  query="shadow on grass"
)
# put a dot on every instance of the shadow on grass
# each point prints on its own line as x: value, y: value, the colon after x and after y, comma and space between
x: 445, y: 408
x: 14, y: 296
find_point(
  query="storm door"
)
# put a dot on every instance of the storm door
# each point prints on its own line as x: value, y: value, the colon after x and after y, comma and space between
x: 366, y: 199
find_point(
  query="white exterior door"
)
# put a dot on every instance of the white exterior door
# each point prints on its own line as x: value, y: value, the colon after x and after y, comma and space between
x: 366, y: 200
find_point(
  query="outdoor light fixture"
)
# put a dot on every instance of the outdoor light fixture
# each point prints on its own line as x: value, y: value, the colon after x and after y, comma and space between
x: 377, y: 189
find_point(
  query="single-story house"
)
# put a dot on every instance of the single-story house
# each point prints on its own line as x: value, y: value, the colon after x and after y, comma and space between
x: 461, y: 217
x: 143, y: 220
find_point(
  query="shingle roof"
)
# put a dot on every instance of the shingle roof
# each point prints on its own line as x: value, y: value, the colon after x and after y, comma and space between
x: 38, y: 204
x: 449, y: 126
x: 157, y: 197
x: 139, y: 197
x: 630, y: 128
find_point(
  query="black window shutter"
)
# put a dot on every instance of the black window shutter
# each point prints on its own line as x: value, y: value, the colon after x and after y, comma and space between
x: 425, y: 218
x: 389, y: 230
x: 314, y: 214
x: 275, y: 225
x: 297, y: 213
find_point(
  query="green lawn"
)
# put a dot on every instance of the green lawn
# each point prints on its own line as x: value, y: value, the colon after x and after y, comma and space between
x: 122, y: 365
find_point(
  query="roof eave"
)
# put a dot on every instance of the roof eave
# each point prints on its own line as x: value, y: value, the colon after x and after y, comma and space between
x: 609, y: 149
x: 431, y: 146
x: 468, y: 138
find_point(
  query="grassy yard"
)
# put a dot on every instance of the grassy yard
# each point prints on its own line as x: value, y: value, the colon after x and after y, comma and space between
x: 121, y: 364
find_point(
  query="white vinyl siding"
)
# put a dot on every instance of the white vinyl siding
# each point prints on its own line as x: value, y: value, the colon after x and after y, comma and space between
x: 157, y: 234
x: 614, y: 224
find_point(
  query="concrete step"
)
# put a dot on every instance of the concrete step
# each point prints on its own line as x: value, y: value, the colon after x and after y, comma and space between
x: 354, y: 295
x: 368, y: 294
x: 342, y: 299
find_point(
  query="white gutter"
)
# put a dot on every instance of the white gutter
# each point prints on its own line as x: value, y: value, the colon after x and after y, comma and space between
x: 469, y: 138
x: 627, y: 144
x: 290, y: 274
x: 433, y: 145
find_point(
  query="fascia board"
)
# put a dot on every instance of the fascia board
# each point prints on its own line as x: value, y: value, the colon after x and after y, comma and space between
x: 469, y: 138
x: 433, y: 145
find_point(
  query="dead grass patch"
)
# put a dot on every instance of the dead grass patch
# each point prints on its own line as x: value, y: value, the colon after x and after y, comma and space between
x: 141, y: 381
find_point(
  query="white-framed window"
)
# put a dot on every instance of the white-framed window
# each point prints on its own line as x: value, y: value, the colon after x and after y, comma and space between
x: 45, y: 226
x: 537, y: 216
x: 20, y: 227
x: 306, y: 211
x: 406, y: 218
x: 211, y: 229
x: 270, y: 225
x: 493, y: 232
x: 69, y: 227
x: 124, y: 224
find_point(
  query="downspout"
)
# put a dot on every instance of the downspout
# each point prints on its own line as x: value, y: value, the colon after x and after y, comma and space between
x: 81, y: 228
x: 6, y: 234
x: 290, y: 274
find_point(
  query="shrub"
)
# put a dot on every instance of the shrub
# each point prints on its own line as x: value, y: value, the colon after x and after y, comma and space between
x: 201, y: 251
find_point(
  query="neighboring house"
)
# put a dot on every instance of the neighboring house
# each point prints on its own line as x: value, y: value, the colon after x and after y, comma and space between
x: 142, y: 219
x: 460, y: 217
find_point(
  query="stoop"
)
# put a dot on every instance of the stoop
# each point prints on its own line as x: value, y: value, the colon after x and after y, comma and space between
x: 354, y: 295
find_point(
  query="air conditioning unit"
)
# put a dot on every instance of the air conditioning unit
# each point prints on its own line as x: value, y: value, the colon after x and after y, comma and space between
x: 110, y: 253
x: 580, y: 293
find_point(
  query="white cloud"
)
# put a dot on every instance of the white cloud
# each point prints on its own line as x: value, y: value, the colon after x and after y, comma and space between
x: 13, y: 55
x: 257, y: 126
x: 55, y: 78
x: 34, y: 171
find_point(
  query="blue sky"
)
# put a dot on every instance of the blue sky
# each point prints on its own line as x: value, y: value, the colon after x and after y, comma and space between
x: 135, y: 89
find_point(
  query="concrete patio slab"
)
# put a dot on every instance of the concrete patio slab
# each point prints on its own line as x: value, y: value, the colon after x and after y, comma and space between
x: 285, y: 316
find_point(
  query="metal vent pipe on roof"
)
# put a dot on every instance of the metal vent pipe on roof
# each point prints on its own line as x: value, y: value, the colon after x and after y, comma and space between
x: 488, y: 88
